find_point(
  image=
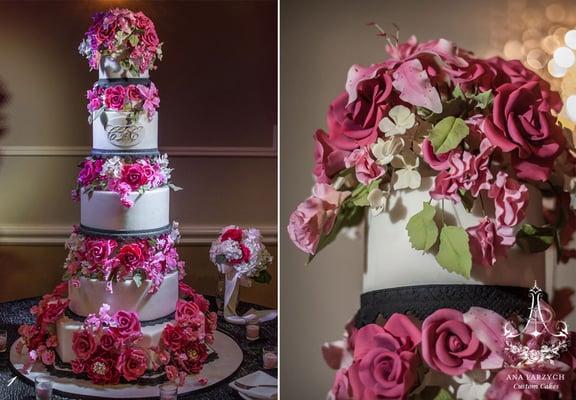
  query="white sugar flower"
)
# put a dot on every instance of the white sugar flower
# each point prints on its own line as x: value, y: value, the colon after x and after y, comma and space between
x: 385, y: 150
x: 406, y: 174
x: 398, y: 121
x: 378, y: 199
x: 112, y: 167
x: 473, y: 385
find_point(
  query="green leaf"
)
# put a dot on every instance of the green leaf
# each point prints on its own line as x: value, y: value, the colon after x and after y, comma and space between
x: 454, y: 253
x: 263, y: 277
x: 422, y: 229
x: 133, y: 39
x: 535, y: 239
x: 467, y: 199
x: 483, y: 99
x: 443, y: 394
x: 457, y: 93
x: 447, y: 134
x: 137, y: 279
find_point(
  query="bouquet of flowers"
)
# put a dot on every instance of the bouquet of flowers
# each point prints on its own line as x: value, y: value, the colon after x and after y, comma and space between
x: 127, y: 37
x: 241, y: 256
x: 483, y: 130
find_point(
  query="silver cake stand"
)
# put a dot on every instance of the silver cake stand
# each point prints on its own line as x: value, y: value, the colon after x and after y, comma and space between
x: 229, y: 359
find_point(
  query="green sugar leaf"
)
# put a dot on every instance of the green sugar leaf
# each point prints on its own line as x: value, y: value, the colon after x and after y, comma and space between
x: 454, y: 253
x: 422, y: 230
x: 447, y: 134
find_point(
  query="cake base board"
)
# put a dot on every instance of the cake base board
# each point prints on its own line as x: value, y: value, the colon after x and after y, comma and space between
x: 230, y: 357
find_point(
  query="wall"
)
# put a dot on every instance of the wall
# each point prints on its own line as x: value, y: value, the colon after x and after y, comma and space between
x: 217, y: 122
x: 320, y: 40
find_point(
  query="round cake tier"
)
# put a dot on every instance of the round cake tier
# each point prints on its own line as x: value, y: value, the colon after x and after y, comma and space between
x: 111, y: 69
x: 66, y: 326
x: 87, y: 297
x: 114, y: 131
x: 102, y: 213
x: 392, y: 262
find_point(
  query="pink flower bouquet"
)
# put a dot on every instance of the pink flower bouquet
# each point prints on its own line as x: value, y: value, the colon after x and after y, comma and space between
x: 484, y: 131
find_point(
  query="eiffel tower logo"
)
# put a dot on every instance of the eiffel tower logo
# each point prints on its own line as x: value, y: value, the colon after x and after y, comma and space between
x: 541, y: 339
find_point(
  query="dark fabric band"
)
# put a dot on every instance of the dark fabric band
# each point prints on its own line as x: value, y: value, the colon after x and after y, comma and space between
x: 125, y: 153
x: 123, y: 235
x: 123, y: 82
x: 421, y: 301
x: 170, y: 317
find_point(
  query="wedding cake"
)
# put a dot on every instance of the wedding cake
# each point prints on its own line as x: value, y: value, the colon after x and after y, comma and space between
x: 123, y: 313
x: 448, y: 159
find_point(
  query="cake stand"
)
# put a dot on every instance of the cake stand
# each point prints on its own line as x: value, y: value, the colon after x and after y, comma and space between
x: 229, y: 359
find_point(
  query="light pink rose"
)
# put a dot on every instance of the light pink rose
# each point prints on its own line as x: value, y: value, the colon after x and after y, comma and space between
x: 171, y: 373
x: 150, y: 38
x: 329, y: 160
x: 187, y: 313
x: 126, y: 325
x: 522, y: 123
x: 132, y: 363
x: 315, y: 217
x: 385, y: 360
x: 510, y: 199
x: 142, y: 21
x: 489, y: 242
x: 83, y: 344
x: 341, y: 389
x: 366, y: 168
x: 114, y: 97
x: 449, y: 345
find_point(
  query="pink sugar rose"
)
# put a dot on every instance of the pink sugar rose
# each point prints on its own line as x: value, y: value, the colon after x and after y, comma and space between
x: 489, y: 241
x: 315, y: 217
x: 99, y: 250
x: 107, y: 341
x: 94, y: 104
x: 90, y: 171
x: 142, y: 21
x: 341, y: 389
x: 77, y: 366
x: 134, y: 175
x: 329, y: 160
x: 48, y: 357
x: 83, y: 344
x: 366, y: 168
x: 114, y: 97
x: 353, y: 125
x: 133, y: 93
x: 150, y: 38
x: 60, y: 290
x: 132, y: 363
x: 171, y: 373
x: 187, y: 312
x: 53, y: 310
x: 385, y: 360
x: 173, y: 337
x: 477, y: 75
x: 52, y: 341
x: 510, y: 199
x: 131, y: 256
x: 521, y: 123
x: 449, y: 345
x: 125, y: 325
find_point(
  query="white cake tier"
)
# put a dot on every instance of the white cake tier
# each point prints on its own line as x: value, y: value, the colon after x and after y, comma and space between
x: 113, y: 131
x: 126, y: 295
x: 65, y: 328
x: 110, y: 69
x: 392, y: 262
x: 102, y: 210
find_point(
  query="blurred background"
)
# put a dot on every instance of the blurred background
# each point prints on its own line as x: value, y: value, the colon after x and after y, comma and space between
x: 217, y: 122
x: 320, y: 40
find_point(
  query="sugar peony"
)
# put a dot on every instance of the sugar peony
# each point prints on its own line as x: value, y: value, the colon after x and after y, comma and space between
x: 488, y: 241
x: 510, y: 199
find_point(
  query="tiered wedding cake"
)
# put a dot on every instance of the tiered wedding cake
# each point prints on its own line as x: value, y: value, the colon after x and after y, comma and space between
x: 451, y: 156
x: 118, y: 315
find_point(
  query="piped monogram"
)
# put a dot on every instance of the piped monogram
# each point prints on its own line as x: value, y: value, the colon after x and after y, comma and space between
x: 124, y: 133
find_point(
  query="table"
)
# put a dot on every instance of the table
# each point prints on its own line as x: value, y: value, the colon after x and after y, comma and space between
x: 15, y: 313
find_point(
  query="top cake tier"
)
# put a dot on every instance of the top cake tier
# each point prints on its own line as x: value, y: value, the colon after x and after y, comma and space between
x: 121, y: 43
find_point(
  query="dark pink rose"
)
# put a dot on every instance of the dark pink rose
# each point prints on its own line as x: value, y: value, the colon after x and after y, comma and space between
x: 126, y: 325
x: 385, y: 361
x: 173, y: 337
x: 329, y: 160
x: 77, y: 366
x: 341, y: 389
x: 133, y: 93
x: 510, y: 199
x: 102, y: 34
x: 83, y: 344
x: 132, y: 363
x: 449, y: 345
x: 53, y: 310
x: 438, y: 162
x: 315, y: 217
x: 171, y: 373
x: 48, y: 357
x: 142, y: 21
x: 353, y: 125
x: 489, y: 242
x: 107, y: 341
x: 134, y: 175
x: 102, y: 370
x: 187, y: 312
x: 150, y: 39
x: 232, y: 234
x: 478, y: 75
x: 94, y: 104
x: 90, y: 171
x: 114, y: 97
x: 131, y: 256
x: 522, y: 123
x: 99, y: 250
x: 60, y: 290
x: 365, y: 166
x: 193, y: 357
